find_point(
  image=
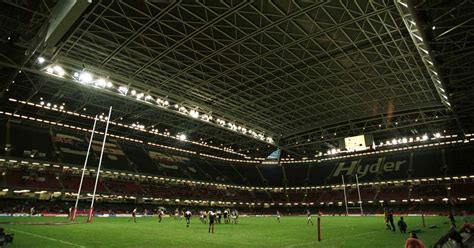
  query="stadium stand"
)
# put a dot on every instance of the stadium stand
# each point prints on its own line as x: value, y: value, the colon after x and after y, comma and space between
x: 71, y: 184
x: 292, y: 183
x: 34, y: 180
x: 3, y: 139
x: 71, y: 148
x: 273, y: 175
x: 249, y: 174
x: 29, y: 142
x: 296, y: 175
x: 139, y: 159
x: 132, y: 158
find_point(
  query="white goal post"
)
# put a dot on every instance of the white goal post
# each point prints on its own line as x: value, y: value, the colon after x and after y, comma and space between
x: 358, y: 193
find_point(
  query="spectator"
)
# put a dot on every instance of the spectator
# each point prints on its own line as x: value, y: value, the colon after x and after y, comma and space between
x: 414, y: 242
x: 466, y: 226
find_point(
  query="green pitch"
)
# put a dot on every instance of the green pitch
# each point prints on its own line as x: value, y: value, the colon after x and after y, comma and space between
x: 250, y: 232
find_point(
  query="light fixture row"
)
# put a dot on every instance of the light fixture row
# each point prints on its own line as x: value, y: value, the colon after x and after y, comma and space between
x: 89, y: 79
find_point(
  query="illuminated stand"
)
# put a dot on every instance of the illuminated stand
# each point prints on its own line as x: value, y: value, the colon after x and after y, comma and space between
x: 74, y: 211
x: 345, y: 196
x: 91, y: 210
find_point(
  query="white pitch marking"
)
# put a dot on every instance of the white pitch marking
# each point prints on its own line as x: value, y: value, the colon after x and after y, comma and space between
x: 45, y: 237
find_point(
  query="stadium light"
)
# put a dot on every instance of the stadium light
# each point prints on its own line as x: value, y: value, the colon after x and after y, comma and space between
x: 424, y: 137
x: 182, y: 136
x: 101, y: 82
x: 85, y: 77
x: 148, y: 98
x: 193, y: 113
x: 41, y: 60
x: 58, y: 70
x: 123, y: 90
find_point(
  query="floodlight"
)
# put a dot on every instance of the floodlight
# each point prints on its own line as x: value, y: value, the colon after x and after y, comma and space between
x: 58, y: 70
x: 100, y: 82
x: 182, y: 136
x: 85, y: 77
x: 123, y: 90
x: 41, y: 60
x: 193, y: 113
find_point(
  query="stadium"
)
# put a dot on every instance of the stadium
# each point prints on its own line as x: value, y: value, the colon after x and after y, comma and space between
x: 236, y: 123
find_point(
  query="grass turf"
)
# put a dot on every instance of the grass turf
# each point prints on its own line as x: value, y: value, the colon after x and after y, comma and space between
x: 250, y: 232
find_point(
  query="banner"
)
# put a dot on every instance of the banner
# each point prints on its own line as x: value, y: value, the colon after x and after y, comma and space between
x: 109, y: 148
x: 180, y: 159
x: 161, y: 158
x: 71, y: 151
x: 173, y: 167
x: 70, y: 144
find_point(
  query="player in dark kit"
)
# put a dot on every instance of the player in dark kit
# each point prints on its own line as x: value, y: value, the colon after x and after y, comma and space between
x: 212, y: 219
x: 402, y: 225
x: 387, y: 226
x: 187, y: 215
x: 219, y: 216
x: 390, y: 220
x: 452, y: 220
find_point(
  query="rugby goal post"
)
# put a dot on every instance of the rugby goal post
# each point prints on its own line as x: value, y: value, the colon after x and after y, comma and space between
x: 358, y: 193
x: 74, y: 210
x: 91, y: 210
